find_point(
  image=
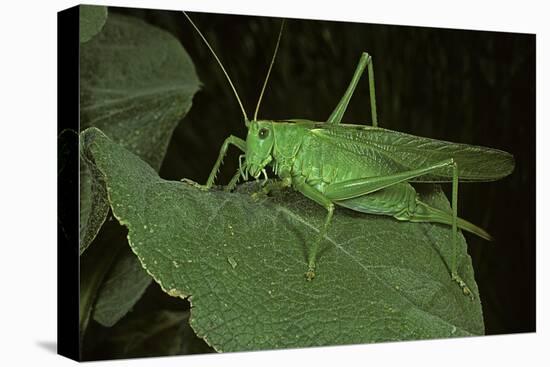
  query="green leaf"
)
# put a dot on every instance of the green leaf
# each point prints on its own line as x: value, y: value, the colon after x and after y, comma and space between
x: 94, y: 206
x: 123, y: 287
x: 157, y: 325
x: 95, y: 264
x: 160, y: 333
x: 92, y: 19
x: 242, y: 263
x: 137, y: 83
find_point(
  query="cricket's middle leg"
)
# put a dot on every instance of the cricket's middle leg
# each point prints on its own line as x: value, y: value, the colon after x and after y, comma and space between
x: 313, y: 194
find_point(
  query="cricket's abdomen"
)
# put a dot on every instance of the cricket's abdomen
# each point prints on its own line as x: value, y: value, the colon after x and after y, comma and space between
x: 398, y: 200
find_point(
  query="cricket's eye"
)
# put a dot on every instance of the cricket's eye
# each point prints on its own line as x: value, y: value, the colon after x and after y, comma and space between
x: 263, y: 133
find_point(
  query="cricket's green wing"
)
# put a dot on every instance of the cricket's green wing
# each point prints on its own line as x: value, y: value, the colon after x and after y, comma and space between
x: 401, y: 152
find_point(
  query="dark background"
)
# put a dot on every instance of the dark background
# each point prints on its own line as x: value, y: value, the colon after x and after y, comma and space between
x: 463, y: 86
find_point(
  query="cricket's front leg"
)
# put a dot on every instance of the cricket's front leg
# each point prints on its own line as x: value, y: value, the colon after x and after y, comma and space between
x: 233, y: 140
x: 313, y: 194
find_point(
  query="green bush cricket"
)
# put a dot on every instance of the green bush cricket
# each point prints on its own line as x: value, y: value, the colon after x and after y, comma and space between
x: 363, y: 168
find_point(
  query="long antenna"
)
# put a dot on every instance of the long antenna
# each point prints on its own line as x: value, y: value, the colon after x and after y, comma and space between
x: 269, y: 70
x: 221, y: 65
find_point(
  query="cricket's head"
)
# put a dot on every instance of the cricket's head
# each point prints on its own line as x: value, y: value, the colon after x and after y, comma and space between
x: 259, y: 142
x: 259, y: 146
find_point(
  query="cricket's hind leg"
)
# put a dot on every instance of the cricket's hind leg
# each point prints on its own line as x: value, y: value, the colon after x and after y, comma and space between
x: 401, y: 202
x: 365, y: 186
x: 426, y: 213
x: 364, y: 62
